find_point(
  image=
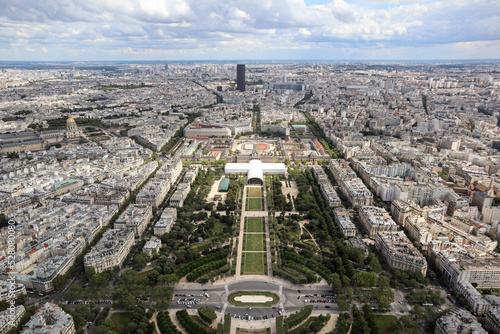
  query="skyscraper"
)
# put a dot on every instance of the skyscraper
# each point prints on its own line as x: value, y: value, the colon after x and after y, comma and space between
x: 240, y: 77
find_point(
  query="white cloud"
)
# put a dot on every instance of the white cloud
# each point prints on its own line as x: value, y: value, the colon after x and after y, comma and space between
x: 138, y: 27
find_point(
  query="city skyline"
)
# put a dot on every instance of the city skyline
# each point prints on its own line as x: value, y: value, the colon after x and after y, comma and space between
x: 378, y: 30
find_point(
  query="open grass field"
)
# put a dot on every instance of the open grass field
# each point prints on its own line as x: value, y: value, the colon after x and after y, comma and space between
x: 253, y: 264
x: 388, y: 324
x: 120, y: 321
x: 218, y: 228
x: 254, y: 224
x: 253, y: 243
x: 254, y: 192
x: 255, y: 204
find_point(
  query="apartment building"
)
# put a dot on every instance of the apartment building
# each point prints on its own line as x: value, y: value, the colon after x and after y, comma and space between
x: 166, y: 221
x: 50, y: 319
x: 111, y: 250
x: 344, y: 223
x: 356, y: 192
x: 135, y: 217
x: 458, y: 321
x: 399, y: 252
x: 375, y: 219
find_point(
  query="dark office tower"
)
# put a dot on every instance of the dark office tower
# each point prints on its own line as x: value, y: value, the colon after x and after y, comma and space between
x: 166, y: 67
x: 240, y: 77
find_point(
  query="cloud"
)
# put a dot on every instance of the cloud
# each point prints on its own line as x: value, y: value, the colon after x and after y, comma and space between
x: 156, y: 27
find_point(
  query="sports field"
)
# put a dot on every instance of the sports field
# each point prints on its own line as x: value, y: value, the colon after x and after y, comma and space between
x: 254, y: 192
x: 254, y: 224
x: 255, y: 204
x: 253, y: 242
x: 263, y: 147
x: 253, y: 263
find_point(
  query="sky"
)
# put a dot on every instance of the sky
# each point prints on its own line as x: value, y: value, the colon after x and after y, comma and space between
x: 348, y: 30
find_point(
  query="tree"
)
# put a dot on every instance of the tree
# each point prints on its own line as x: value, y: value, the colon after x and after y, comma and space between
x: 336, y: 283
x: 140, y: 261
x: 375, y: 264
x: 343, y: 305
x: 89, y: 272
x: 59, y: 281
x: 83, y: 310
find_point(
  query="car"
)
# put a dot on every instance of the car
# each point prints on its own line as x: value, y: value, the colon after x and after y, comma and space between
x: 327, y: 306
x: 298, y: 291
x: 204, y: 289
x: 249, y: 308
x: 281, y: 313
x: 217, y: 307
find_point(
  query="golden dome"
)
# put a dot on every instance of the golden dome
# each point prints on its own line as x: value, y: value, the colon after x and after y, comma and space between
x: 70, y: 119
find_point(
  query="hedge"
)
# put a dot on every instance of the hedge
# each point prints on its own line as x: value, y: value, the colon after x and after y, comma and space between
x: 205, y: 269
x: 298, y: 317
x: 207, y: 314
x: 165, y: 324
x: 279, y: 325
x: 227, y: 324
x: 207, y: 277
x: 184, y: 269
x: 188, y: 324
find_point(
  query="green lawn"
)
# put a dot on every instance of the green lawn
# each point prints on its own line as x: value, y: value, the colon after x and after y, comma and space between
x: 254, y: 224
x: 305, y: 325
x: 253, y: 242
x: 254, y: 192
x: 254, y: 263
x: 218, y: 228
x: 388, y: 324
x: 120, y: 321
x: 254, y: 204
x: 232, y: 296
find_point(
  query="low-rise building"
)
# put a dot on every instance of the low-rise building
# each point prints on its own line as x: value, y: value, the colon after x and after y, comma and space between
x: 151, y: 245
x: 111, y: 250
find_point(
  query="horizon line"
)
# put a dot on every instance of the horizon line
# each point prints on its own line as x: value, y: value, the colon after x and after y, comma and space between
x: 257, y: 60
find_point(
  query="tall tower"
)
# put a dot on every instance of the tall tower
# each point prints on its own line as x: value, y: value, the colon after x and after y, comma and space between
x: 240, y: 77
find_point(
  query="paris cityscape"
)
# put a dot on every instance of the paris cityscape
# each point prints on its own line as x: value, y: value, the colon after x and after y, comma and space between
x: 265, y: 167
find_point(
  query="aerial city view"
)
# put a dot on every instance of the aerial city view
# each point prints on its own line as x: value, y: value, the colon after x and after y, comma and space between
x: 250, y: 168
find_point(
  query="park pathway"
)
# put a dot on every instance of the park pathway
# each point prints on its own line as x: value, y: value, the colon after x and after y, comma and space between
x: 242, y: 231
x: 268, y: 236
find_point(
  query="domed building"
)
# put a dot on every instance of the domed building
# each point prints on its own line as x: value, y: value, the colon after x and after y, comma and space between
x: 72, y: 130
